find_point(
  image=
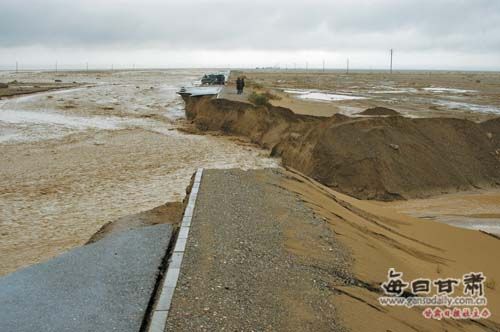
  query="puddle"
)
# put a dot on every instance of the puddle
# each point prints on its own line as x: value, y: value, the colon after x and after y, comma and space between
x: 390, y: 90
x: 328, y: 96
x: 448, y: 90
x: 323, y: 96
x: 483, y: 224
x: 297, y: 91
x: 459, y: 106
x: 350, y: 110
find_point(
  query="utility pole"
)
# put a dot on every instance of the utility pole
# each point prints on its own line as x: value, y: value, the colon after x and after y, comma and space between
x: 392, y: 51
x: 323, y: 65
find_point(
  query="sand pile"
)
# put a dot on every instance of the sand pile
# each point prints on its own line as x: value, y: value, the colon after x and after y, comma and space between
x: 379, y: 111
x: 383, y: 158
x: 398, y: 158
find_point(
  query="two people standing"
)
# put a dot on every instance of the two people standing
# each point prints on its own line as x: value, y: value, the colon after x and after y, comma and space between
x: 240, y: 84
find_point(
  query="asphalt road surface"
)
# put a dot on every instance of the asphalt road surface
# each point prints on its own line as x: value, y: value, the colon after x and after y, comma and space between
x: 104, y: 286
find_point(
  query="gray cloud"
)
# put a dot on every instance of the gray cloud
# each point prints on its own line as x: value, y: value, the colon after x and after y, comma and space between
x: 461, y: 26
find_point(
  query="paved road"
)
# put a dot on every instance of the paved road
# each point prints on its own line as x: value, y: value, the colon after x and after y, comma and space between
x: 105, y: 286
x: 240, y: 271
x: 229, y: 92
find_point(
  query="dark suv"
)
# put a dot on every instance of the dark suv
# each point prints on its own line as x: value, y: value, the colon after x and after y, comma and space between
x: 213, y: 79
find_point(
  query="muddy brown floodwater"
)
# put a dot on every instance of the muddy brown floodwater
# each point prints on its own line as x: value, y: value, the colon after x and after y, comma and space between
x: 75, y: 159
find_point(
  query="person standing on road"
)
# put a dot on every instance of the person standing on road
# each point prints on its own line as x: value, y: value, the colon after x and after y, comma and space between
x: 242, y: 85
x: 238, y: 85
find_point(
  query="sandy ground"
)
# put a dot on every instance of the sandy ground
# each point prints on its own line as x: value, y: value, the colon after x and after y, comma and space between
x: 378, y: 239
x: 474, y: 96
x: 289, y: 254
x: 74, y: 160
x: 465, y: 95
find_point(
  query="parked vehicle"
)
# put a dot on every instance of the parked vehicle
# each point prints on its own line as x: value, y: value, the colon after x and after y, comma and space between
x: 213, y: 79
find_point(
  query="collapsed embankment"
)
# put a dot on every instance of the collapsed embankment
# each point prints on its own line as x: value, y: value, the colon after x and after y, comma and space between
x: 383, y: 158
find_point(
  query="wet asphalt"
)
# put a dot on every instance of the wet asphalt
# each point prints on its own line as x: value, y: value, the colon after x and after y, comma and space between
x: 104, y: 286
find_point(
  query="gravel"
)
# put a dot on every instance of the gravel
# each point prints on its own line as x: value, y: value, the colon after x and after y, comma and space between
x: 237, y: 274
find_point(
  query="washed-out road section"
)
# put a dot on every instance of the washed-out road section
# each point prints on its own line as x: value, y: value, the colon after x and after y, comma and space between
x: 104, y: 286
x: 238, y: 272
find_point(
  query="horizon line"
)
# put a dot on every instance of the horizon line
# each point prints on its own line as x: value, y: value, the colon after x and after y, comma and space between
x: 270, y: 68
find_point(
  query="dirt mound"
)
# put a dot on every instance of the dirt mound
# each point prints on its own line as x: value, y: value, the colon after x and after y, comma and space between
x: 398, y: 158
x: 379, y: 111
x: 382, y: 158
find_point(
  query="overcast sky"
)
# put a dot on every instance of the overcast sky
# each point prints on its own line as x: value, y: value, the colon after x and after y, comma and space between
x: 425, y: 34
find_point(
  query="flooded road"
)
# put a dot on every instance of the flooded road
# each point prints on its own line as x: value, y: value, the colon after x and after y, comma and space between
x: 74, y: 160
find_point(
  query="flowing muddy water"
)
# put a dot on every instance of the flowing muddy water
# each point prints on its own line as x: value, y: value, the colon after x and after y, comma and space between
x: 76, y: 159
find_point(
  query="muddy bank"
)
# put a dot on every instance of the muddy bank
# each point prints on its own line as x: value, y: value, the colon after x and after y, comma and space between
x: 12, y: 89
x: 383, y: 158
